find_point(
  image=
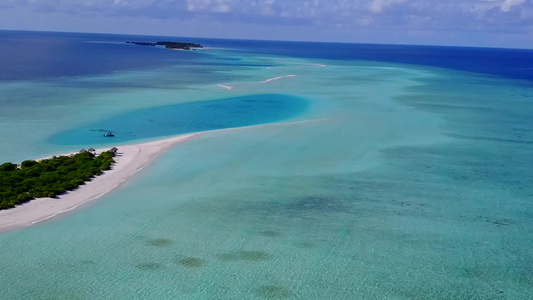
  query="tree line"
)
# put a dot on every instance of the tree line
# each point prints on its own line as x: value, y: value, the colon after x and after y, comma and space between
x: 49, y: 177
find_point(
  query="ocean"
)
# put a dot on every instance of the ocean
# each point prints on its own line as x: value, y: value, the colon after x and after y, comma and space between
x: 348, y: 171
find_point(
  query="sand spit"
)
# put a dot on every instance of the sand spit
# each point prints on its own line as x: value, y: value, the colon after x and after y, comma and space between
x: 129, y: 160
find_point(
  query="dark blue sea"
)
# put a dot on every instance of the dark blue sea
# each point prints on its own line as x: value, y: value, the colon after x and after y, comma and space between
x: 47, y: 55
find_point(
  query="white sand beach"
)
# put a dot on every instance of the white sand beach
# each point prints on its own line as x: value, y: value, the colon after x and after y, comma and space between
x: 129, y: 160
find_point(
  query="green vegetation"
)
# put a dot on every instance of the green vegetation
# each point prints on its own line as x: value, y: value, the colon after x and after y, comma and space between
x: 49, y: 177
x: 178, y: 45
x: 169, y: 45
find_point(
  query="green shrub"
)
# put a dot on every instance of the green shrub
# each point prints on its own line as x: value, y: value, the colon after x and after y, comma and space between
x: 24, y: 197
x: 28, y: 163
x: 49, y: 177
x: 6, y: 167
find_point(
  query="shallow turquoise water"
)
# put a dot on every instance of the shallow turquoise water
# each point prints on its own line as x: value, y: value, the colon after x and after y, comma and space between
x: 184, y: 118
x: 396, y: 182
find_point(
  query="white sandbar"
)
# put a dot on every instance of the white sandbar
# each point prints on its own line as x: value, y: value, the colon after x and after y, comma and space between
x: 129, y: 160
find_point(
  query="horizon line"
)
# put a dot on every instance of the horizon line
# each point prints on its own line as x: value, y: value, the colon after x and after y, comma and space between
x: 272, y: 40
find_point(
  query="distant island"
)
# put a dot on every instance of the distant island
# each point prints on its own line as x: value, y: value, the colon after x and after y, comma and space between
x: 170, y: 45
x: 50, y: 177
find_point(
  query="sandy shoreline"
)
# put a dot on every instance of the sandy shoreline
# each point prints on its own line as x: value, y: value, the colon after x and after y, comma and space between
x: 129, y: 160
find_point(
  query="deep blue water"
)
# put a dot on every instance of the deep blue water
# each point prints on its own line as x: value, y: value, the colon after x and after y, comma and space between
x: 512, y: 63
x: 47, y: 55
x: 186, y: 118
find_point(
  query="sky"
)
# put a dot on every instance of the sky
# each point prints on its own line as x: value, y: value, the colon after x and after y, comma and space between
x: 484, y: 23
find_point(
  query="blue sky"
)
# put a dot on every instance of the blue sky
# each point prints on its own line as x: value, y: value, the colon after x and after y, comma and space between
x: 496, y: 23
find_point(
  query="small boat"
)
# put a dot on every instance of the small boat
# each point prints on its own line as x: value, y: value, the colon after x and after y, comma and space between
x: 109, y: 134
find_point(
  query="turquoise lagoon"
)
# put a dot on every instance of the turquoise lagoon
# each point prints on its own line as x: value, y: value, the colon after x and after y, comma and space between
x: 184, y: 118
x: 364, y: 180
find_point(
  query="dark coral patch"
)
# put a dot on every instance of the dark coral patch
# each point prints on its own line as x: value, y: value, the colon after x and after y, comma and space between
x: 191, y: 262
x: 160, y: 243
x: 272, y: 292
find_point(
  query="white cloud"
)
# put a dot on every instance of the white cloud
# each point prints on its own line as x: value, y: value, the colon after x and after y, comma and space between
x: 220, y: 6
x: 503, y: 5
x: 377, y: 6
x: 508, y: 4
x: 504, y: 16
x: 267, y: 7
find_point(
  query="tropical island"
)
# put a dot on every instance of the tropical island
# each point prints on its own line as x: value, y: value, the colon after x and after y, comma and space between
x: 129, y: 161
x: 170, y: 45
x: 50, y: 177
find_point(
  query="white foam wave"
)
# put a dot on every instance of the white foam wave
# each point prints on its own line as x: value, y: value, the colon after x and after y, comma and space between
x: 297, y: 63
x: 224, y: 86
x: 277, y: 78
x: 229, y: 87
